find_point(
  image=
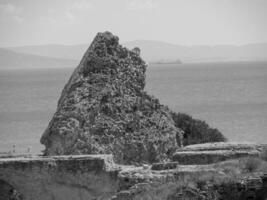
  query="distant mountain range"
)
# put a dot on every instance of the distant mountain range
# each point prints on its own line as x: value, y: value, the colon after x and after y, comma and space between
x: 156, y: 51
x: 151, y: 51
x: 13, y: 60
x: 74, y: 52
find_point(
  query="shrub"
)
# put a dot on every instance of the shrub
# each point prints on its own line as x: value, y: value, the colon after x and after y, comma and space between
x: 252, y: 164
x: 196, y: 131
x: 235, y: 167
x: 263, y: 154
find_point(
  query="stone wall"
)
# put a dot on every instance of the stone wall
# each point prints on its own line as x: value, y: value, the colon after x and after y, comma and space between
x: 208, y: 153
x: 60, y: 177
x: 96, y: 177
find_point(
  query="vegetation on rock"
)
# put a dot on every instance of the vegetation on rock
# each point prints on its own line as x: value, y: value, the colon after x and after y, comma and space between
x: 264, y: 154
x: 196, y: 131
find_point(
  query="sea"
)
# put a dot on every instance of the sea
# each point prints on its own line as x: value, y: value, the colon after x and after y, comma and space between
x: 229, y: 96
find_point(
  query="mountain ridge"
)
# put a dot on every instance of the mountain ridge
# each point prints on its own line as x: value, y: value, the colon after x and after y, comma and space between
x: 14, y: 60
x: 154, y: 51
x: 57, y: 55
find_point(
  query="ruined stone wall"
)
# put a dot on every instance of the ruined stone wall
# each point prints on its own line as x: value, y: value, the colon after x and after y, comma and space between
x: 96, y: 177
x: 201, y: 154
x: 60, y: 178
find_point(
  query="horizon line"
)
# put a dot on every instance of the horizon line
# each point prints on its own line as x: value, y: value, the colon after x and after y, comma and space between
x: 140, y: 40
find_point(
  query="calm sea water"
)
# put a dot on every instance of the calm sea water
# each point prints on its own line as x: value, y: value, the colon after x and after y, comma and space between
x: 229, y: 96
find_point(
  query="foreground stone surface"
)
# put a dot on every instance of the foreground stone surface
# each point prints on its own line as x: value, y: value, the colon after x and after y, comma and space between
x: 189, y: 182
x: 201, y: 154
x: 80, y: 177
x: 60, y: 177
x: 96, y: 177
x: 225, y: 146
x: 104, y: 109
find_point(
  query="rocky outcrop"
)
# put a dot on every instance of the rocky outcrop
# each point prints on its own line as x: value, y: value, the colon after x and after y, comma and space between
x: 104, y: 109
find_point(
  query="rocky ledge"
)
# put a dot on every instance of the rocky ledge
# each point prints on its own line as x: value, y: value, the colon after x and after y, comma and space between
x: 216, y: 152
x: 103, y: 109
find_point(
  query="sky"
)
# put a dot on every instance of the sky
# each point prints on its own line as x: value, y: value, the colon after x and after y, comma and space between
x: 184, y: 22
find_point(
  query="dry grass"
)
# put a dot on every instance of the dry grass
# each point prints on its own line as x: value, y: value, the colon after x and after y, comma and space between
x: 159, y: 192
x: 252, y: 164
x: 241, y: 166
x: 226, y: 175
x: 197, y: 181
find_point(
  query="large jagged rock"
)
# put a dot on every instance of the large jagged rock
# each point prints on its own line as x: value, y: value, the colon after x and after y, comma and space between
x: 104, y: 109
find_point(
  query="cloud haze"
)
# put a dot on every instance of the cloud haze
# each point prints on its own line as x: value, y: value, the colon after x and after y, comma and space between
x: 185, y: 22
x: 9, y: 11
x: 143, y: 5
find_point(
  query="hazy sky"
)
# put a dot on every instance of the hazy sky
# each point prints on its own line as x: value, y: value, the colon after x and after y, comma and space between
x: 186, y: 22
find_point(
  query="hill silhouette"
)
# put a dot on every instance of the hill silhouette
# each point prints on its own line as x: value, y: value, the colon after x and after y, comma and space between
x: 14, y: 60
x: 157, y: 51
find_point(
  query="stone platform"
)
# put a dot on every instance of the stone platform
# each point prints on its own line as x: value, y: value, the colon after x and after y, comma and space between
x: 94, y: 177
x: 201, y: 154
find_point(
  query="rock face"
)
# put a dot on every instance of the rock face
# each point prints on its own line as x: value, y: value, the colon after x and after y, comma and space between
x: 104, y: 109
